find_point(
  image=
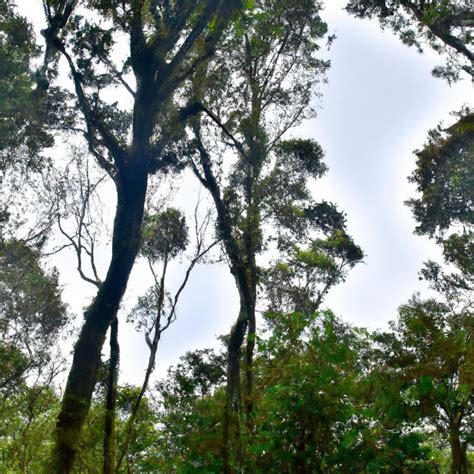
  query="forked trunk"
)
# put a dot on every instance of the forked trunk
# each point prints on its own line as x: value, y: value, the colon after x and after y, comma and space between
x: 131, y: 190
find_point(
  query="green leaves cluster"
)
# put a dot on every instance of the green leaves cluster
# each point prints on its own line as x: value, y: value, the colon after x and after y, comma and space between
x: 300, y: 281
x: 445, y: 178
x: 23, y: 131
x: 329, y: 397
x: 32, y: 315
x: 164, y: 235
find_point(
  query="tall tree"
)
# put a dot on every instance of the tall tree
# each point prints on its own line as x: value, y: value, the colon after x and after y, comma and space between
x: 271, y: 42
x: 262, y: 83
x: 430, y: 351
x: 165, y: 236
x: 161, y: 38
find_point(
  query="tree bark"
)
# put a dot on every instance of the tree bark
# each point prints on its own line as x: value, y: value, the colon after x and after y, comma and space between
x: 131, y: 190
x: 111, y: 401
x: 458, y: 454
x: 243, y: 268
x: 231, y: 433
x: 251, y: 334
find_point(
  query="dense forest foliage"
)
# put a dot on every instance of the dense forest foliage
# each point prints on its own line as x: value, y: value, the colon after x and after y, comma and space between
x: 211, y: 90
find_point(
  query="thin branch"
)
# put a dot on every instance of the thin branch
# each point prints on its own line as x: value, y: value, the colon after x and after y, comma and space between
x: 78, y: 255
x: 185, y: 281
x: 92, y: 121
x: 226, y: 131
x: 118, y: 76
x: 208, y: 12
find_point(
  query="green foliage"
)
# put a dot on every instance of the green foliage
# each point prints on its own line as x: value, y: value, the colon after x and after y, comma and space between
x: 32, y: 318
x: 429, y: 354
x: 328, y: 398
x: 305, y: 392
x: 192, y: 413
x: 445, y: 178
x: 32, y: 314
x: 321, y: 404
x: 459, y: 250
x: 301, y: 157
x: 444, y: 25
x: 301, y: 280
x: 142, y: 455
x: 27, y: 420
x: 164, y: 235
x: 23, y: 131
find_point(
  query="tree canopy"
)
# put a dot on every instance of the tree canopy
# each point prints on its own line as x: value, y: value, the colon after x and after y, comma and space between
x: 109, y: 121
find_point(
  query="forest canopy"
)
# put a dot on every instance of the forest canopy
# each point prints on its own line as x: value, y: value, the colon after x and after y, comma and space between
x: 143, y: 142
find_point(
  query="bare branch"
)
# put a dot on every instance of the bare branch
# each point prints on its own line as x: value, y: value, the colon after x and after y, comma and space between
x: 78, y: 249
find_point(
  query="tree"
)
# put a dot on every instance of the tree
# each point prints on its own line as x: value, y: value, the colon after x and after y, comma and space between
x: 162, y: 55
x: 262, y: 84
x: 299, y: 282
x: 165, y: 236
x: 445, y: 180
x: 430, y: 351
x: 24, y: 126
x: 28, y: 116
x: 33, y: 318
x: 192, y: 400
x: 32, y: 314
x: 27, y: 427
x: 444, y: 177
x: 307, y: 375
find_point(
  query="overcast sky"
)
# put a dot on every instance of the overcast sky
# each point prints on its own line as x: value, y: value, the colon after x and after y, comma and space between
x: 380, y: 102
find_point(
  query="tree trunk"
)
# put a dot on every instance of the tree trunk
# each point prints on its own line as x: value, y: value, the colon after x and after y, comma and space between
x: 111, y: 401
x: 458, y: 453
x: 251, y: 333
x: 231, y: 434
x: 131, y: 190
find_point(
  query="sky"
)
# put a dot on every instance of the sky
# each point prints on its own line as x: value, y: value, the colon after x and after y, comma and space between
x: 379, y: 103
